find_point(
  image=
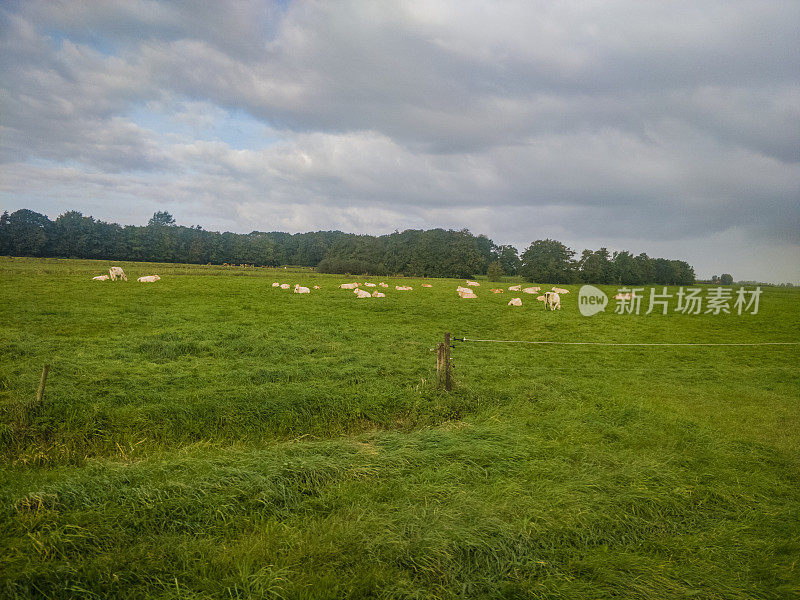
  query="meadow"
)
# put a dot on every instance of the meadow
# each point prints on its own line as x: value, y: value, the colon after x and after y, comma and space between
x: 209, y: 436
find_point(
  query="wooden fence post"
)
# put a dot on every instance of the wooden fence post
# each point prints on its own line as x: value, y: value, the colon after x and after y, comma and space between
x: 40, y: 392
x: 439, y: 364
x: 448, y: 375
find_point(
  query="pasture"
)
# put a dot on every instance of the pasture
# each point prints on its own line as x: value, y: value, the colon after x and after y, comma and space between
x: 209, y: 436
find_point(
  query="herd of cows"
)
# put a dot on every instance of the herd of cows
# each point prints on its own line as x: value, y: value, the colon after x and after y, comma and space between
x: 551, y: 299
x: 115, y: 273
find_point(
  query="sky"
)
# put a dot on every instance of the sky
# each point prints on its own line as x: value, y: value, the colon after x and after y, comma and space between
x: 671, y: 128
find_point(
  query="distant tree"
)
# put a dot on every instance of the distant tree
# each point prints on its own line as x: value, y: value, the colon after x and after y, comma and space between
x: 25, y: 233
x: 726, y: 279
x: 548, y: 261
x: 627, y: 269
x: 715, y: 279
x: 509, y: 259
x: 495, y: 271
x: 161, y: 218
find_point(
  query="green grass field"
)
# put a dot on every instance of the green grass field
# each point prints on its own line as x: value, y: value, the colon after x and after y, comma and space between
x: 209, y: 436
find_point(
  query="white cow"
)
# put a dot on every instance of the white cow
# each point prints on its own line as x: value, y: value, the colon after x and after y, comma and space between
x: 558, y: 290
x: 552, y: 300
x: 316, y: 287
x: 377, y: 294
x: 348, y: 286
x: 285, y: 286
x: 515, y: 302
x: 531, y: 290
x: 148, y: 279
x: 403, y: 288
x: 115, y: 272
x: 494, y: 291
x: 515, y: 288
x: 473, y: 284
x: 362, y: 294
x: 276, y: 284
x: 460, y: 289
x: 468, y: 294
x: 426, y: 285
x: 369, y: 285
x: 100, y: 278
x: 383, y: 284
x: 298, y: 289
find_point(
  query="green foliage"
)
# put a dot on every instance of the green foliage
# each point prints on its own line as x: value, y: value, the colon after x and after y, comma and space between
x: 726, y: 279
x: 210, y: 436
x: 494, y: 271
x: 416, y: 253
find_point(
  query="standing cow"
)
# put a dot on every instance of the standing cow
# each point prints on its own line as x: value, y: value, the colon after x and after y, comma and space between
x: 115, y: 272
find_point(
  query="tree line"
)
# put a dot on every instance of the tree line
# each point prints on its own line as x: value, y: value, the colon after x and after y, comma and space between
x: 421, y: 253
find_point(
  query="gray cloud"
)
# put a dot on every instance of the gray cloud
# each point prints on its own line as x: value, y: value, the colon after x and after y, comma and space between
x: 620, y: 121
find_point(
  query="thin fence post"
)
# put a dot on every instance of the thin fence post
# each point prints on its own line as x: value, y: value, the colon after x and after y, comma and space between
x: 448, y: 375
x: 40, y: 392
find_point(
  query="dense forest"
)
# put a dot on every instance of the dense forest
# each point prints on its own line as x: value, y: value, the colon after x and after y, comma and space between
x: 425, y: 253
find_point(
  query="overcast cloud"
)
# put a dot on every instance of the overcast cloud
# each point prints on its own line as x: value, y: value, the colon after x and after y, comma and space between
x: 666, y: 127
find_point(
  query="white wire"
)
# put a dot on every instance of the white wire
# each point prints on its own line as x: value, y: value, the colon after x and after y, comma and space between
x: 634, y: 343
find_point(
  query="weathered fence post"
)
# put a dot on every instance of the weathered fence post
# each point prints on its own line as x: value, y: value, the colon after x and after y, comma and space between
x: 448, y: 375
x: 40, y: 392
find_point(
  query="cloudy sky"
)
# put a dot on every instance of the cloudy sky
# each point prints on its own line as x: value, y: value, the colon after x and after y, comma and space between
x: 671, y: 128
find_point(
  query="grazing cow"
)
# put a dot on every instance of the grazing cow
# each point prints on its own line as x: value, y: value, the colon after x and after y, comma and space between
x: 100, y: 278
x: 276, y: 284
x: 553, y: 300
x: 515, y: 302
x: 115, y: 272
x: 515, y: 288
x: 148, y: 279
x: 285, y: 286
x: 362, y: 294
x: 369, y: 285
x: 473, y: 284
x: 403, y: 288
x: 377, y: 294
x: 531, y: 290
x: 558, y: 290
x: 298, y: 289
x: 496, y: 291
x: 348, y: 286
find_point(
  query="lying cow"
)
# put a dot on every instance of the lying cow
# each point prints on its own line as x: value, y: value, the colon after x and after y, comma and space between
x: 100, y: 278
x: 473, y: 284
x: 531, y: 290
x: 115, y: 272
x: 362, y: 293
x: 348, y: 286
x: 515, y: 288
x: 515, y: 302
x: 148, y: 279
x: 377, y: 294
x: 558, y: 290
x: 496, y: 291
x: 298, y: 289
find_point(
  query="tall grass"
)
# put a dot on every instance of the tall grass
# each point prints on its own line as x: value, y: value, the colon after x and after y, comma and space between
x: 209, y: 436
